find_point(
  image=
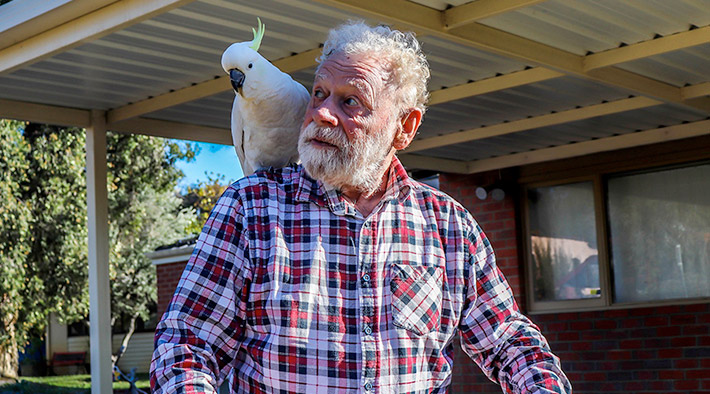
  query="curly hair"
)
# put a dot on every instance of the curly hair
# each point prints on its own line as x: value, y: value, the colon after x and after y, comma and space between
x: 408, y: 67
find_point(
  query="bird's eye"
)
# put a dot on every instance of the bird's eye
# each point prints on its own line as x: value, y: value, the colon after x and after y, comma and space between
x: 251, y: 65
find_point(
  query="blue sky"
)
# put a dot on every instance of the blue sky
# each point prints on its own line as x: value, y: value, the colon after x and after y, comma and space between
x: 212, y: 159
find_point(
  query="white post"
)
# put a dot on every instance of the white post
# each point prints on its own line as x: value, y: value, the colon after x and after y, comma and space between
x: 99, y: 294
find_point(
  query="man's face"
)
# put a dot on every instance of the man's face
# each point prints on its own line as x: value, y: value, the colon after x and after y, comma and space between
x: 346, y: 137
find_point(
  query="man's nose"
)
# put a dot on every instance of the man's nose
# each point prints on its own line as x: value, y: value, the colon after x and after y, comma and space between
x: 324, y: 114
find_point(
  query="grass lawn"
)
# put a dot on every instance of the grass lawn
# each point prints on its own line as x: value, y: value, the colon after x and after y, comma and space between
x: 66, y: 384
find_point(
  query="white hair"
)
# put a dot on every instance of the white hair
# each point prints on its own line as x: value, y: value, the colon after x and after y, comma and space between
x: 408, y: 67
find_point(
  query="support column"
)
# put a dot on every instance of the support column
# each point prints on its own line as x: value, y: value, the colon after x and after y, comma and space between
x: 99, y: 291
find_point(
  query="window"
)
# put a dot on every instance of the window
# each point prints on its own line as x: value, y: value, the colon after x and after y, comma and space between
x: 655, y: 226
x: 659, y: 229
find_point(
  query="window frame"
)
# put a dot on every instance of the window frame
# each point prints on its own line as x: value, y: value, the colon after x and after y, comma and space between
x: 603, y: 256
x: 599, y: 178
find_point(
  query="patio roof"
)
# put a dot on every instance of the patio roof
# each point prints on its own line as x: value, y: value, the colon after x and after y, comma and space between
x: 513, y: 81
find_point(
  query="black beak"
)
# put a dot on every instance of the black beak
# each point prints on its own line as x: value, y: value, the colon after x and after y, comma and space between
x: 237, y: 78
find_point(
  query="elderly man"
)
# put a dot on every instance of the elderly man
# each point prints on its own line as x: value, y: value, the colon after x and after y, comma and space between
x: 344, y: 274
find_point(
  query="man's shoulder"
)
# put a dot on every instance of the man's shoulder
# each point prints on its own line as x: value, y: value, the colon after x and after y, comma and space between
x: 261, y: 183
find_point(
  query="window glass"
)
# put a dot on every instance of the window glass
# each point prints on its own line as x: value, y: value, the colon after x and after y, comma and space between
x: 563, y: 242
x: 659, y: 227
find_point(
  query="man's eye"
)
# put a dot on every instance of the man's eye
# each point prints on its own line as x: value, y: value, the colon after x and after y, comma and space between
x: 318, y: 94
x: 350, y: 102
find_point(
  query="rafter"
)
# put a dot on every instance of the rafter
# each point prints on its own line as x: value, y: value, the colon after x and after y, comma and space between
x: 649, y: 48
x: 169, y: 129
x: 630, y: 140
x: 506, y: 81
x: 695, y: 91
x: 287, y: 64
x: 87, y: 27
x: 480, y: 9
x: 64, y: 116
x: 41, y: 113
x: 533, y: 123
x: 423, y: 19
x: 433, y: 163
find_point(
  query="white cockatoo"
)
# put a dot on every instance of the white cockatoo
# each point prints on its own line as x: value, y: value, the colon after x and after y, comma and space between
x: 268, y: 108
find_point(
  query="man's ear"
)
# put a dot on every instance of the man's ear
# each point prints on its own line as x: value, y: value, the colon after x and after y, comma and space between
x: 410, y: 122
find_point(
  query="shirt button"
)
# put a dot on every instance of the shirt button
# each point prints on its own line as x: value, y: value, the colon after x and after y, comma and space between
x: 366, y: 278
x: 367, y: 330
x: 368, y: 386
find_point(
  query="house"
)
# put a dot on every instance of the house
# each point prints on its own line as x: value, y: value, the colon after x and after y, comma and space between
x: 589, y: 120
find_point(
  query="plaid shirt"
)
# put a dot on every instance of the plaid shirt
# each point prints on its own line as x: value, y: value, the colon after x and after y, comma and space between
x: 291, y: 290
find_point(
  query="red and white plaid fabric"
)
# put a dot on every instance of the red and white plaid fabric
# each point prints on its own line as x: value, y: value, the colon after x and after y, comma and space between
x: 291, y: 290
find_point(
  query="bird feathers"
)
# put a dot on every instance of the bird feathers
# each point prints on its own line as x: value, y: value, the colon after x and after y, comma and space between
x: 268, y: 107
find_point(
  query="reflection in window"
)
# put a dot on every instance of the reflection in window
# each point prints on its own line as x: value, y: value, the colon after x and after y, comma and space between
x: 563, y: 242
x: 660, y: 234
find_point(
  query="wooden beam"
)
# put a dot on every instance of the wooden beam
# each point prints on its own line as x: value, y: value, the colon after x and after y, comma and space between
x: 168, y: 129
x: 287, y: 64
x: 507, y: 81
x: 648, y: 48
x: 82, y: 29
x: 24, y: 19
x: 480, y: 9
x: 547, y: 120
x: 695, y: 91
x: 40, y: 113
x: 433, y: 163
x: 631, y: 140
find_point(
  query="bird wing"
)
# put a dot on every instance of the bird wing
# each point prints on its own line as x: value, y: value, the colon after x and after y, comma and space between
x: 238, y: 137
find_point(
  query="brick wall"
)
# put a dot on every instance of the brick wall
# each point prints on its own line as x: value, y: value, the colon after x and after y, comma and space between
x: 645, y: 350
x: 168, y: 277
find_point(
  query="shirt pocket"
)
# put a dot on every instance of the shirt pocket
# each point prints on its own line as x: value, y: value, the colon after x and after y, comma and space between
x: 416, y: 297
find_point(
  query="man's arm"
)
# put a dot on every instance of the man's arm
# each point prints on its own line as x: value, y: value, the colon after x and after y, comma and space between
x: 507, y: 346
x: 199, y: 335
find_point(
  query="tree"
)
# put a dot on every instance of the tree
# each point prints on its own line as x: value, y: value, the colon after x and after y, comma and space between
x: 145, y: 213
x: 43, y: 246
x: 202, y: 197
x: 14, y: 245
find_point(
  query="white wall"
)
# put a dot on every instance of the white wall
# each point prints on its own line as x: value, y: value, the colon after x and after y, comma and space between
x: 138, y: 355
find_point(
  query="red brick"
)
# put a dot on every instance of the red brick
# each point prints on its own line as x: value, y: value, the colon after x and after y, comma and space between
x: 580, y: 325
x: 619, y: 355
x: 670, y: 353
x: 605, y: 324
x: 631, y: 344
x: 671, y: 374
x: 670, y: 331
x: 595, y: 376
x: 657, y: 321
x: 683, y: 341
x: 698, y: 374
x: 685, y: 385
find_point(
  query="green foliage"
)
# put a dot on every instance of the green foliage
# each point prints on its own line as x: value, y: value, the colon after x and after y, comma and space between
x: 43, y: 231
x: 14, y: 227
x: 144, y: 213
x: 55, y: 190
x: 202, y: 198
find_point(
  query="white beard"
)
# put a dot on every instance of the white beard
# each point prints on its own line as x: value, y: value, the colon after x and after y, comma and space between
x: 358, y: 165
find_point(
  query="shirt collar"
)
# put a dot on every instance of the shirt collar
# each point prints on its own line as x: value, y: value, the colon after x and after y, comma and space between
x: 399, y: 185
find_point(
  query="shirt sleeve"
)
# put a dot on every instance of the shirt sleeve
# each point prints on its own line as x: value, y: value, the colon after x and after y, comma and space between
x: 505, y: 344
x: 199, y: 335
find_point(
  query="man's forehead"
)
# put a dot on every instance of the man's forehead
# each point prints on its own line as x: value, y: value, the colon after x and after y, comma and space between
x: 354, y: 69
